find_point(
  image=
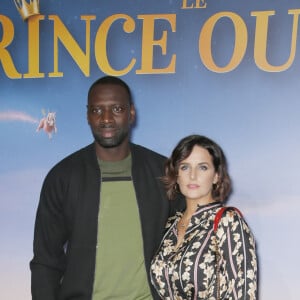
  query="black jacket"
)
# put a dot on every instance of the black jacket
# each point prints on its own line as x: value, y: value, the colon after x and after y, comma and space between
x: 66, y: 224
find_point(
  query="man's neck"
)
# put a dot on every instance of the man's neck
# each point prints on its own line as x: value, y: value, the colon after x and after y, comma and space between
x: 114, y: 153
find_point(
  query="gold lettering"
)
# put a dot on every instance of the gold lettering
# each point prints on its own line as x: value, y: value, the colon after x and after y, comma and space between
x: 261, y: 38
x: 34, y: 47
x: 241, y: 38
x: 100, y: 44
x: 148, y: 43
x: 61, y: 33
x: 198, y: 4
x: 185, y: 5
x: 5, y: 57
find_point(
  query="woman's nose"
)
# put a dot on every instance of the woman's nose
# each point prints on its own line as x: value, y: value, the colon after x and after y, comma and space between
x: 193, y: 173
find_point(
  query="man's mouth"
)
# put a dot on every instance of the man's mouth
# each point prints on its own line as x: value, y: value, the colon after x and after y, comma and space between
x: 107, y: 131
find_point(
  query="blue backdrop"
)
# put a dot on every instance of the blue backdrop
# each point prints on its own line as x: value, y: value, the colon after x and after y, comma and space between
x: 226, y: 69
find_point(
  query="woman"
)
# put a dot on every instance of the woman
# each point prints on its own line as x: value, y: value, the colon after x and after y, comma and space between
x: 187, y: 265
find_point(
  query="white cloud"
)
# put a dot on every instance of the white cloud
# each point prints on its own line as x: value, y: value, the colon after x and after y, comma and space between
x: 17, y: 116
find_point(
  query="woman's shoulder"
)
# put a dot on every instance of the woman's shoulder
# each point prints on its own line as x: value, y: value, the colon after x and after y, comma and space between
x: 230, y: 217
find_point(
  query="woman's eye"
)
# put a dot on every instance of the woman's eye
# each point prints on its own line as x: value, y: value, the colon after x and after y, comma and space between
x: 203, y: 167
x: 183, y: 167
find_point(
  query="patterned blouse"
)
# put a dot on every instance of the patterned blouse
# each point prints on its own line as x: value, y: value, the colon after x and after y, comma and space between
x: 189, y: 272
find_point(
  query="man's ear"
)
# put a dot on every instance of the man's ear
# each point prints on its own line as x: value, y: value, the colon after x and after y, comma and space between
x: 87, y: 114
x: 132, y: 114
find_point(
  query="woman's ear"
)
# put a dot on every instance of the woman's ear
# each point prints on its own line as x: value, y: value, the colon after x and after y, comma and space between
x: 216, y: 178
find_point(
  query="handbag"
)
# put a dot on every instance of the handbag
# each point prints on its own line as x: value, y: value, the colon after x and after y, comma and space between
x: 217, y: 219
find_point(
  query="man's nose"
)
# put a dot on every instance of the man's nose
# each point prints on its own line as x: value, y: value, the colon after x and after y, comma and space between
x: 107, y: 115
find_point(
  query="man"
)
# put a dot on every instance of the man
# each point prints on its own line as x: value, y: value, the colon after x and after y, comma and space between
x: 102, y: 210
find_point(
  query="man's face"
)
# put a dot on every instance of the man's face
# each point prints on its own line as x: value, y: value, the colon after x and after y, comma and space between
x: 110, y: 114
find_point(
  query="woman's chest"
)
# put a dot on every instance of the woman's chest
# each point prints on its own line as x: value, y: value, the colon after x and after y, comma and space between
x: 196, y: 246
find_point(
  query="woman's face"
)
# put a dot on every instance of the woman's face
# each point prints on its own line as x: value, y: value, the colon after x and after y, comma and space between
x: 196, y: 176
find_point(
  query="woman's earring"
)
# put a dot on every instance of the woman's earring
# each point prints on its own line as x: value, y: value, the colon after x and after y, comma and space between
x: 215, y: 186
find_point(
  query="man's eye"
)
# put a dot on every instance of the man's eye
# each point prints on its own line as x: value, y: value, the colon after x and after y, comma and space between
x: 118, y: 109
x: 96, y: 110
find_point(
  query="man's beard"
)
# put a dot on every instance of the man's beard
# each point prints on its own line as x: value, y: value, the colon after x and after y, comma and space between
x: 113, y: 141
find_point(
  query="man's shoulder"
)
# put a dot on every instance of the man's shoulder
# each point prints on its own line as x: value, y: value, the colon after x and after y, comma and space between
x: 143, y: 152
x: 86, y: 151
x: 75, y: 159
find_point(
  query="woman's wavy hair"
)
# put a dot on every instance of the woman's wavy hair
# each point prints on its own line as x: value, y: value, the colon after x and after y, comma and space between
x: 221, y: 189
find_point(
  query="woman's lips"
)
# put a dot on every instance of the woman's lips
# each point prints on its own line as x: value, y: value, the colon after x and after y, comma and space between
x: 193, y: 186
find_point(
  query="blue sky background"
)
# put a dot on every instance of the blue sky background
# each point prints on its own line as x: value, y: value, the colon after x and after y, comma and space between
x: 252, y: 114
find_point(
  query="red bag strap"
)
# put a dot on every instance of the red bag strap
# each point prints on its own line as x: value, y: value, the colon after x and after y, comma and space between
x: 219, y: 215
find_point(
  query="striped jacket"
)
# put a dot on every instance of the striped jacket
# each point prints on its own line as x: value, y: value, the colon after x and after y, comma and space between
x: 190, y: 272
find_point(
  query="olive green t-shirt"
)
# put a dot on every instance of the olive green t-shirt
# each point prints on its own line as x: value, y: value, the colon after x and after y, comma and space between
x: 120, y: 268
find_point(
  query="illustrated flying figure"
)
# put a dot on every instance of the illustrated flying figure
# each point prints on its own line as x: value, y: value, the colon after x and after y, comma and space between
x: 48, y: 123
